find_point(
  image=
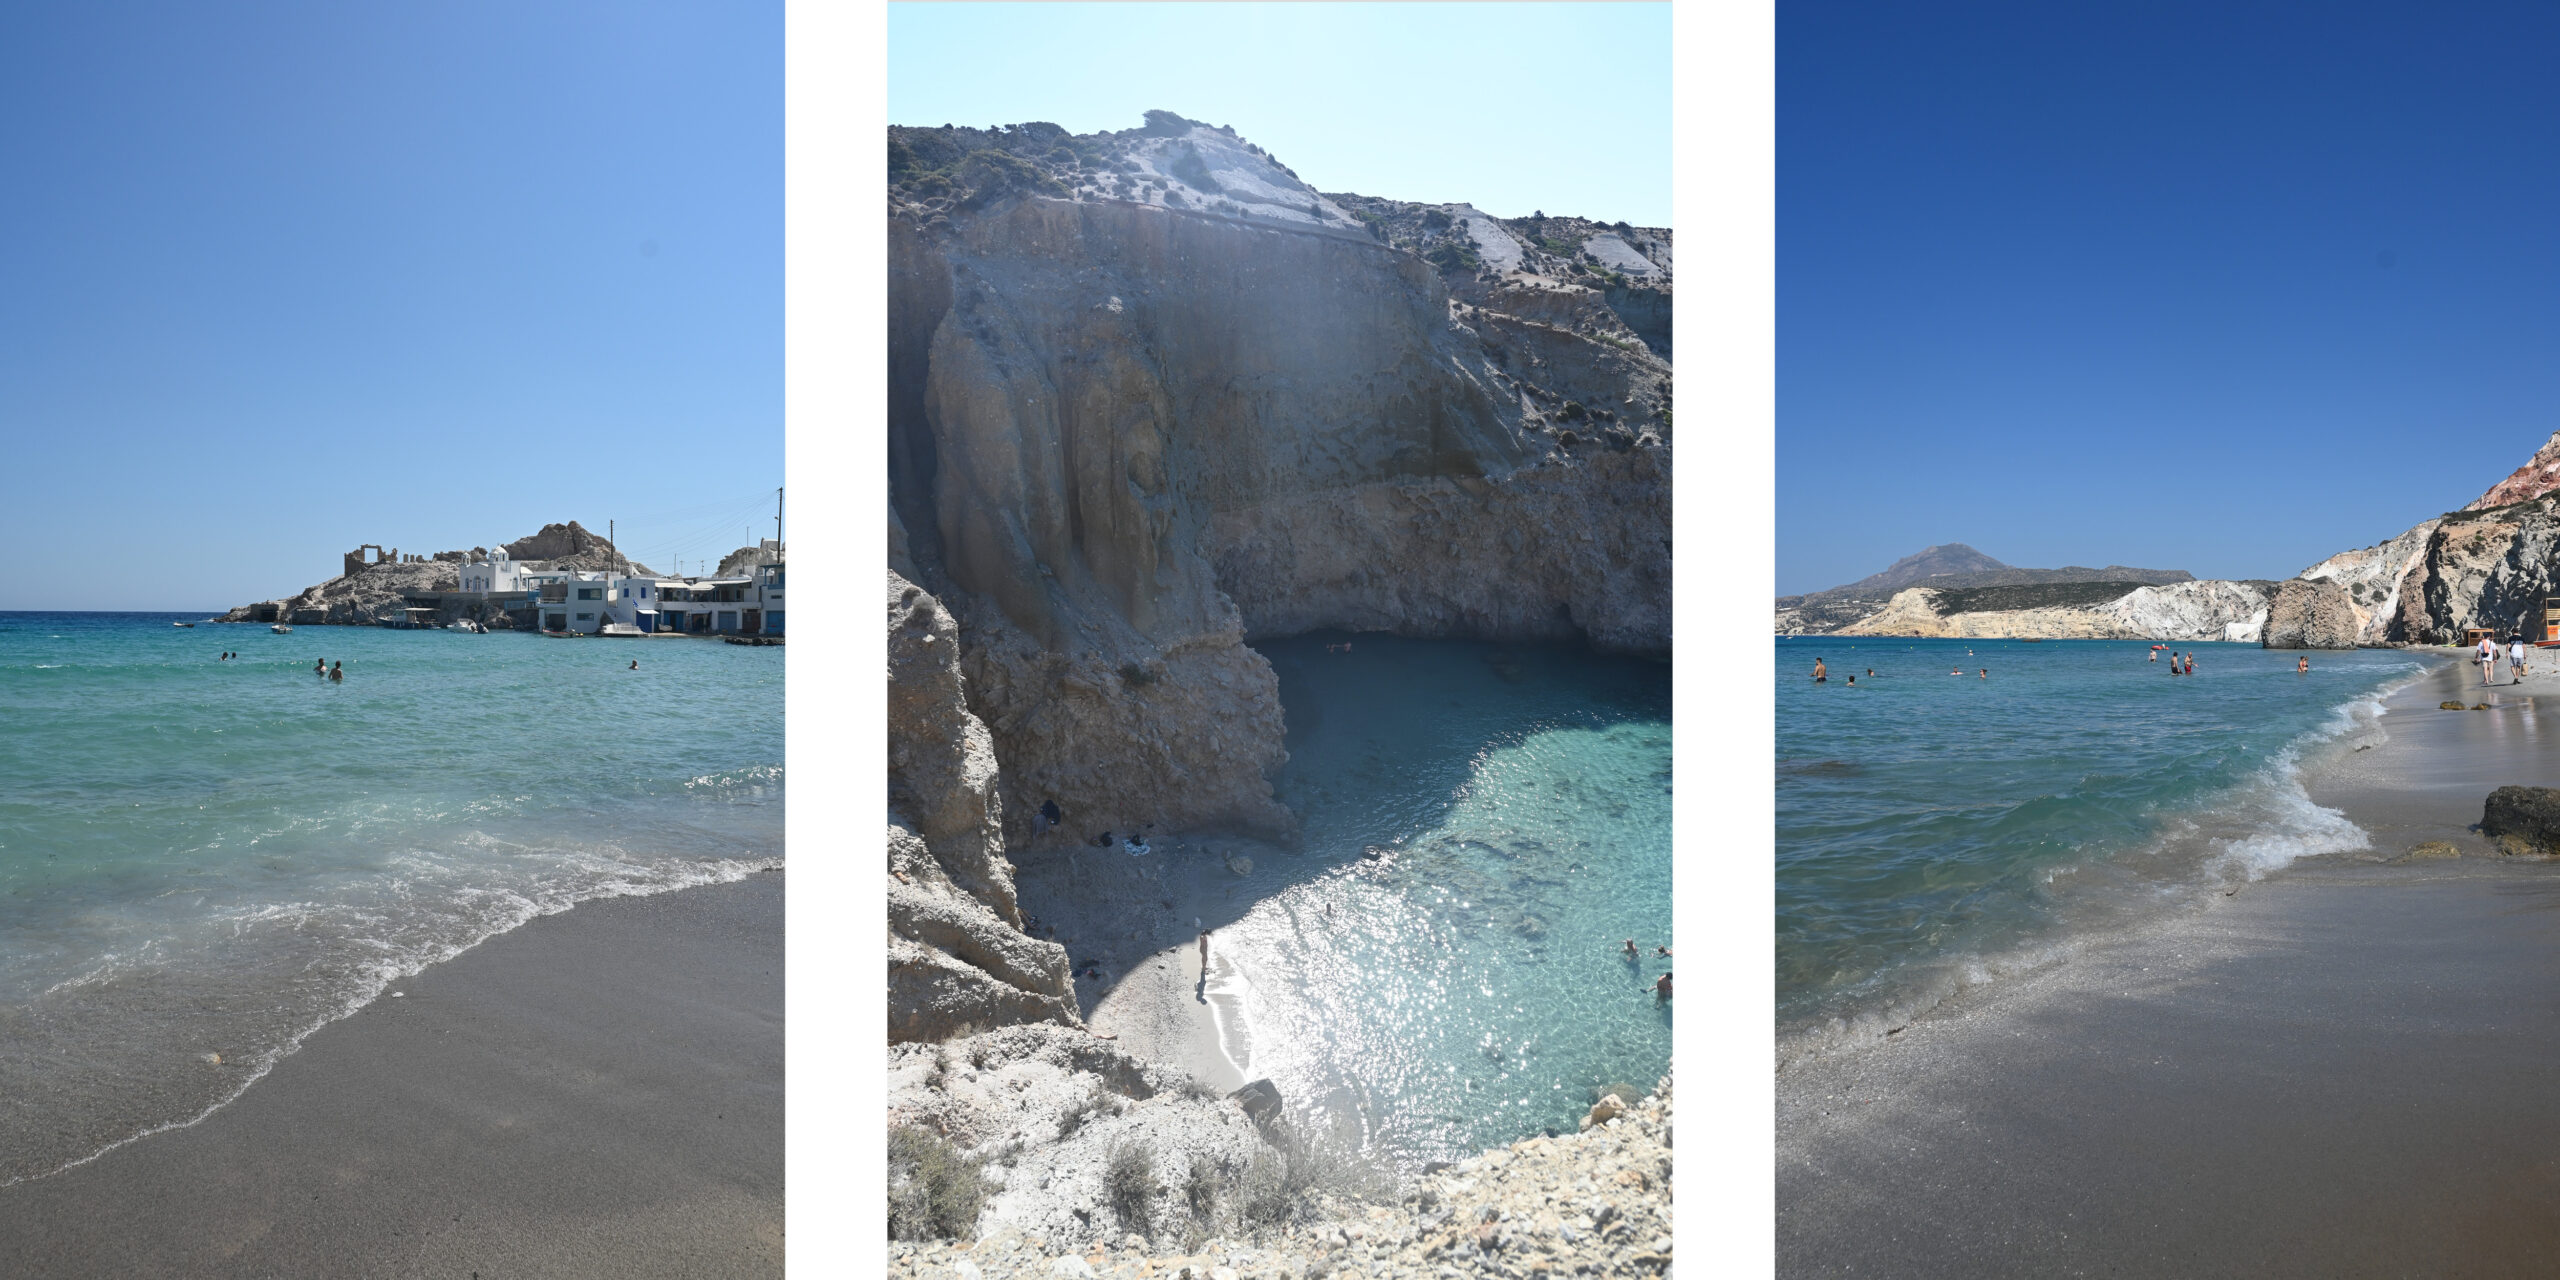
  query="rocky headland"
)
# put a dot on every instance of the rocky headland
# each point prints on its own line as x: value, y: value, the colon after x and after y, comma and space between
x: 368, y: 594
x: 2489, y: 564
x: 1154, y: 398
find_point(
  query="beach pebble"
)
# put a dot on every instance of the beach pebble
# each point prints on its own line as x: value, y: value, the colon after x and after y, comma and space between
x: 210, y: 1059
x: 398, y: 994
x: 1071, y: 1265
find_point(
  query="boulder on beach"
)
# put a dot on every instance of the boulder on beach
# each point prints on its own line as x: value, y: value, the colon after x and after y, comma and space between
x: 2531, y: 813
x: 1260, y: 1099
x: 2433, y: 849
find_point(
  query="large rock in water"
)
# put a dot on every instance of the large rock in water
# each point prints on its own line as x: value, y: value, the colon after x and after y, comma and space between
x: 1131, y: 428
x: 2310, y: 615
x: 958, y: 959
x: 2531, y: 813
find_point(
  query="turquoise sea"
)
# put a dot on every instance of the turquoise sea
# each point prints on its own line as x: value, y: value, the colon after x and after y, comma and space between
x: 203, y: 860
x: 1484, y: 826
x: 1936, y: 830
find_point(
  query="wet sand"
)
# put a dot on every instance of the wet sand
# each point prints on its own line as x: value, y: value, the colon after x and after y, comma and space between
x: 597, y: 1093
x: 1137, y: 921
x: 2351, y: 1068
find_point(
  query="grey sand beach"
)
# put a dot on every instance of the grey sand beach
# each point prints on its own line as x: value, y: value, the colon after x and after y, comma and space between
x: 597, y: 1093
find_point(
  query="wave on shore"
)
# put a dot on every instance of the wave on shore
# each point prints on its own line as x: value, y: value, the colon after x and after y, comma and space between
x: 2012, y: 821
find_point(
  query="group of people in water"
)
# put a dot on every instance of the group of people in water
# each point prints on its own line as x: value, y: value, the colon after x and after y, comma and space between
x: 322, y: 669
x: 1822, y: 674
x: 1661, y: 985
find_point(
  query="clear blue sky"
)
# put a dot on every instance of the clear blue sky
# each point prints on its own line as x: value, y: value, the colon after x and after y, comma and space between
x: 277, y: 279
x: 1515, y: 108
x: 2226, y: 288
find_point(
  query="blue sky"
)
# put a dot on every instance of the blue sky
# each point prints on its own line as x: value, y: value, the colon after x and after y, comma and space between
x: 277, y: 279
x: 2213, y: 287
x: 1516, y: 108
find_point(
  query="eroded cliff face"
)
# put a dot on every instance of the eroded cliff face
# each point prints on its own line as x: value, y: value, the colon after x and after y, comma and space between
x: 1130, y: 433
x: 958, y: 959
x: 2310, y: 615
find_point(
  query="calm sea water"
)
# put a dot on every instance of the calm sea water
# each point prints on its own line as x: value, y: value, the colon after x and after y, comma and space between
x: 1935, y: 830
x: 201, y: 861
x: 1484, y: 826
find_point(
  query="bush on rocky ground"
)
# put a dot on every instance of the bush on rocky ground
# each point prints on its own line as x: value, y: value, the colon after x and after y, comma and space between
x: 934, y: 1191
x: 1129, y: 1181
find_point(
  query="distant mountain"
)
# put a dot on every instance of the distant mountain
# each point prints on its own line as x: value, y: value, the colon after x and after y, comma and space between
x: 1927, y: 562
x: 1952, y: 565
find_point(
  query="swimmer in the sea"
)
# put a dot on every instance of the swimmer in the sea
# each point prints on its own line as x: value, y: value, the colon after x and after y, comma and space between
x: 1662, y: 950
x: 1662, y: 987
x: 1821, y: 673
x: 1631, y: 948
x: 1986, y: 673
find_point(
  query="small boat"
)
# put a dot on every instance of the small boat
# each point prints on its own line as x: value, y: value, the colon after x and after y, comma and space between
x: 182, y: 624
x: 281, y: 629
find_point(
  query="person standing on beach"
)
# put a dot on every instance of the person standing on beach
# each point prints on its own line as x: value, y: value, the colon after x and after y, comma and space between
x: 2488, y: 661
x: 1204, y: 953
x: 2515, y: 660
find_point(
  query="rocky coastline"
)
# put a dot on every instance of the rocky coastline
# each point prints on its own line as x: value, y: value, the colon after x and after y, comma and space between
x: 1154, y: 399
x: 2490, y: 564
x: 384, y: 591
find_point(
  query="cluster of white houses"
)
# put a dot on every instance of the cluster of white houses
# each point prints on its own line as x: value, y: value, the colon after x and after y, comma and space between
x: 582, y: 602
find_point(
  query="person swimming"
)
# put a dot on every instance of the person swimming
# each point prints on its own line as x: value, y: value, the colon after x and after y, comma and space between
x: 339, y: 672
x: 1986, y: 673
x: 1853, y: 682
x: 1662, y: 950
x: 635, y: 664
x: 1662, y: 987
x: 2301, y: 665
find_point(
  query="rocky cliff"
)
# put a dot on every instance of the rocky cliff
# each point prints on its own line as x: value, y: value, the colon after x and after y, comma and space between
x: 2539, y: 475
x: 958, y: 958
x: 1152, y: 397
x: 2310, y: 615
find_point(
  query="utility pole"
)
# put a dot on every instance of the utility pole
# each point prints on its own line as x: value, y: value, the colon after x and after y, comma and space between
x: 777, y: 520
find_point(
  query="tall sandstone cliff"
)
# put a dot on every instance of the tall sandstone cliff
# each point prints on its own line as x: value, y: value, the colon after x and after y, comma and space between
x: 1133, y: 430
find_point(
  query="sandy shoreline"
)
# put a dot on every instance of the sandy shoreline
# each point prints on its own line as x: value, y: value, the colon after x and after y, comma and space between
x: 2343, y: 1070
x: 595, y: 1093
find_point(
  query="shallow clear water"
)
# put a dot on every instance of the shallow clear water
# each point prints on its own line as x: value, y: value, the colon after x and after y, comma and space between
x: 1934, y: 828
x: 1463, y: 986
x: 203, y: 857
